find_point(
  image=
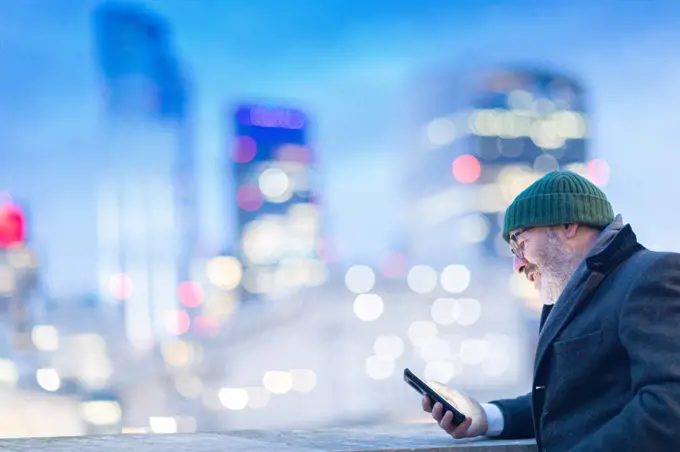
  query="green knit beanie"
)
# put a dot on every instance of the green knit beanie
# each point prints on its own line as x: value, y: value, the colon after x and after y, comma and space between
x: 559, y: 197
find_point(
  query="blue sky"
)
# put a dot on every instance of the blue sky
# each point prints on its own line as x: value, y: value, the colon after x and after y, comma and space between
x: 347, y: 62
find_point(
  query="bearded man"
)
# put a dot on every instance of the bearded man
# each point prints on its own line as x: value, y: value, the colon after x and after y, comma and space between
x: 607, y: 365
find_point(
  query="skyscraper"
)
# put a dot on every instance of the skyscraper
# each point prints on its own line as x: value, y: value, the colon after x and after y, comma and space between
x: 141, y: 73
x: 148, y: 224
x: 275, y: 200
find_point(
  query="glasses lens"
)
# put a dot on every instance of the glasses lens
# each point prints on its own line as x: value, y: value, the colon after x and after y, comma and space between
x: 515, y: 247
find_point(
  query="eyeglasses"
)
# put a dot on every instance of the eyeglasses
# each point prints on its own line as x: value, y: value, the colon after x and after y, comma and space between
x: 518, y: 248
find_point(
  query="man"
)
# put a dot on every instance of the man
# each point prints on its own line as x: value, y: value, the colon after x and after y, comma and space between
x: 607, y: 365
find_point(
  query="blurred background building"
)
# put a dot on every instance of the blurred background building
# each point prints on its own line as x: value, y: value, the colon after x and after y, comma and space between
x: 254, y: 215
x: 276, y: 201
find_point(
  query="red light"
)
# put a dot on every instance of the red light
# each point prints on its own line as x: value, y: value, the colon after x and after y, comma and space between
x: 12, y: 226
x: 466, y: 169
x: 245, y: 149
x: 598, y: 172
x: 393, y: 265
x: 177, y: 322
x: 190, y: 294
x: 120, y: 286
x: 249, y: 198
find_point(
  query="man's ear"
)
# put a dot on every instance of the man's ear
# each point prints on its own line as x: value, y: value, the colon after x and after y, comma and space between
x: 570, y: 230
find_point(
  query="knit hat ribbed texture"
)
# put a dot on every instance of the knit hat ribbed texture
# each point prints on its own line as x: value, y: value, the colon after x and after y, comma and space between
x: 559, y: 197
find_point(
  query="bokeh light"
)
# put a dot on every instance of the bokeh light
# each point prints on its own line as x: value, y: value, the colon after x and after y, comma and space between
x: 466, y: 169
x: 234, y: 398
x: 190, y: 294
x: 360, y: 279
x: 245, y: 149
x: 455, y: 278
x: 177, y: 322
x: 277, y: 382
x: 225, y: 272
x: 249, y: 197
x: 422, y: 279
x: 598, y: 172
x: 368, y: 307
x: 379, y: 367
x: 388, y: 346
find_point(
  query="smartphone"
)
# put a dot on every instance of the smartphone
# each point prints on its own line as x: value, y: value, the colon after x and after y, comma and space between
x: 423, y: 389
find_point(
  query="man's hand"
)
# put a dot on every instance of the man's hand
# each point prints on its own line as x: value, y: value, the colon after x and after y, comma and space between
x: 475, y: 423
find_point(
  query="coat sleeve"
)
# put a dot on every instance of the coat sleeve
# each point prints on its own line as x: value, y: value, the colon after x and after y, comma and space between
x: 649, y: 329
x: 518, y: 420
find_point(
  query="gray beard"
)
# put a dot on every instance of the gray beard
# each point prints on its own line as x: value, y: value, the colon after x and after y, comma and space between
x: 551, y: 288
x: 556, y: 264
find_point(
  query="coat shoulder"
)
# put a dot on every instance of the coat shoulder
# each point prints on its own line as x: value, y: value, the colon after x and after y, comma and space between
x: 646, y: 259
x: 641, y: 266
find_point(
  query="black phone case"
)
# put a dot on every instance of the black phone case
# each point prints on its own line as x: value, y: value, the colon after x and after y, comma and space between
x: 422, y: 388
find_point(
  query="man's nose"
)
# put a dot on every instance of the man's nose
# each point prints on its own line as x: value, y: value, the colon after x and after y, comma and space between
x: 518, y: 263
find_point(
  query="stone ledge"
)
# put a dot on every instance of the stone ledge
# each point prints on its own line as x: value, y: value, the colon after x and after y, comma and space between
x: 420, y: 437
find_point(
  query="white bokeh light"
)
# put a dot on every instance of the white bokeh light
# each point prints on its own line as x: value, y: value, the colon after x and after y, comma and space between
x: 441, y: 131
x: 422, y: 331
x: 388, y: 346
x: 9, y: 372
x: 264, y: 240
x: 440, y: 371
x: 48, y: 379
x: 304, y: 380
x: 545, y: 163
x: 473, y: 228
x: 468, y: 311
x: 275, y: 185
x: 368, y: 307
x: 45, y: 337
x: 360, y: 278
x: 455, y: 278
x: 443, y: 310
x: 379, y: 367
x: 422, y: 279
x: 224, y: 272
x: 277, y: 382
x: 233, y: 398
x: 473, y: 351
x: 258, y: 397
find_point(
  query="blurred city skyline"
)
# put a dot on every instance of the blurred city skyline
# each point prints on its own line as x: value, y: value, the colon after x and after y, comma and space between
x: 362, y: 217
x: 348, y: 65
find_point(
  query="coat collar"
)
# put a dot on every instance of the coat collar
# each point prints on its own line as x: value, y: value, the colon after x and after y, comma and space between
x: 615, y: 244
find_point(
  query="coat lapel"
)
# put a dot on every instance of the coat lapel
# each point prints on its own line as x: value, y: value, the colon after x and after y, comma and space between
x: 614, y: 247
x: 545, y: 313
x: 564, y: 310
